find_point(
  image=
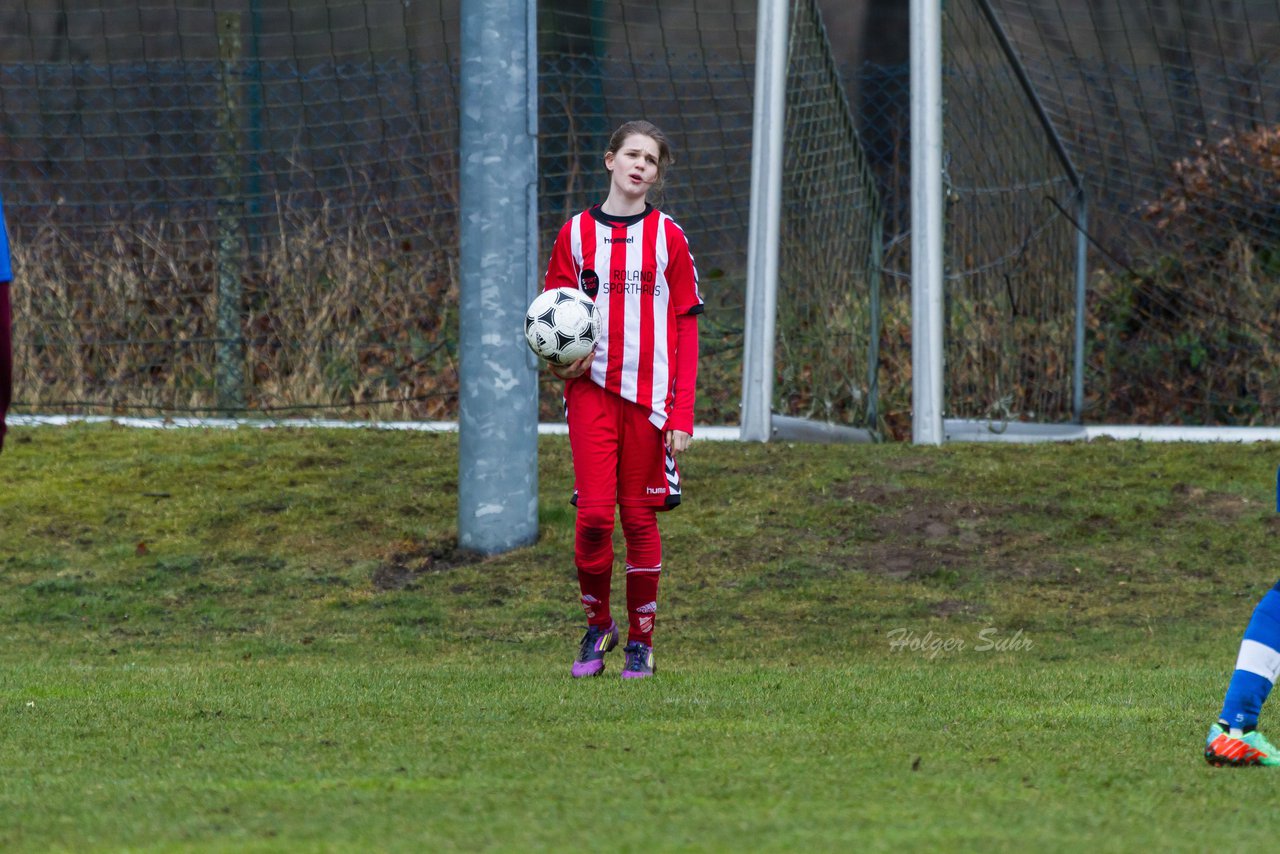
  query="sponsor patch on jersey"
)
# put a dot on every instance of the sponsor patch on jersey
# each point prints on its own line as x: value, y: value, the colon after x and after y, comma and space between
x: 590, y: 283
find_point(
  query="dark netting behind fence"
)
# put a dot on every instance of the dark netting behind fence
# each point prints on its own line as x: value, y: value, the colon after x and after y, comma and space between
x: 254, y: 212
x: 1171, y: 112
x: 689, y: 68
x: 1010, y: 246
x: 829, y: 273
x: 251, y: 206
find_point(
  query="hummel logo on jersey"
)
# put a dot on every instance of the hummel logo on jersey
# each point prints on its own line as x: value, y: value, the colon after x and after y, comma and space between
x: 628, y: 239
x: 655, y: 490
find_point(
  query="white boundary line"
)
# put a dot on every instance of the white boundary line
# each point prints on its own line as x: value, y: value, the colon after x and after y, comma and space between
x: 955, y: 429
x: 700, y: 432
x: 964, y: 430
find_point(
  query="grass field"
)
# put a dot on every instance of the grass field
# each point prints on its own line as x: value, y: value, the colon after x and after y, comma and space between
x: 266, y: 640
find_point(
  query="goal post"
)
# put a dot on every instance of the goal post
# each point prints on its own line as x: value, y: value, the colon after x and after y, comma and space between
x: 927, y: 244
x: 764, y: 233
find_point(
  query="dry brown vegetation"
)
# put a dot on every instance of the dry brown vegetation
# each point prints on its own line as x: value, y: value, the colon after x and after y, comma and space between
x: 338, y: 316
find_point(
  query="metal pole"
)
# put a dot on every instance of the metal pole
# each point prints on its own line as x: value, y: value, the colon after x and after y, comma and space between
x: 230, y: 352
x: 765, y: 217
x: 498, y: 389
x: 927, y: 247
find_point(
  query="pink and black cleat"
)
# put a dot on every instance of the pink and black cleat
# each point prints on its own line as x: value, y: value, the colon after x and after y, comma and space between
x: 595, y: 643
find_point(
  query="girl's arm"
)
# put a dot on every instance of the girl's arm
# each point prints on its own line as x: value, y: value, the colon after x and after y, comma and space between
x: 686, y: 378
x: 562, y: 272
x: 683, y: 277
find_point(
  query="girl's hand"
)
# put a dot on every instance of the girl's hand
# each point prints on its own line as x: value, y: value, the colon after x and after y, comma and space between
x: 677, y: 441
x: 573, y: 370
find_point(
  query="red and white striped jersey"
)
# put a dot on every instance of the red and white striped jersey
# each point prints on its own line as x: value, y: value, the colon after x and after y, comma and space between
x: 641, y: 274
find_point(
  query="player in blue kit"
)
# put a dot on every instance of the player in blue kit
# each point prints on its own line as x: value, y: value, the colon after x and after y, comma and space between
x: 6, y: 346
x: 1234, y: 738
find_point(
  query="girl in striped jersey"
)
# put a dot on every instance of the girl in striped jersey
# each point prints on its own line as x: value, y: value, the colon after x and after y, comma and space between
x: 629, y: 404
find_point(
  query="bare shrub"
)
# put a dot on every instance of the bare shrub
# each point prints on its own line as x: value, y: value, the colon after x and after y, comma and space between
x: 350, y: 312
x: 1192, y: 338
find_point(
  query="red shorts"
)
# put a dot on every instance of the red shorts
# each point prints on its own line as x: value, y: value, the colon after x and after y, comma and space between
x: 619, y: 457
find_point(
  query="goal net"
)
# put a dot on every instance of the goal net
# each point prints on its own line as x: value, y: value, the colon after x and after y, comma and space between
x: 689, y: 68
x: 252, y: 208
x: 236, y: 208
x: 1168, y: 113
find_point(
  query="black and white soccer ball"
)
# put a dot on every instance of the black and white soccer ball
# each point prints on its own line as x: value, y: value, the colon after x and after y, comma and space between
x: 562, y: 325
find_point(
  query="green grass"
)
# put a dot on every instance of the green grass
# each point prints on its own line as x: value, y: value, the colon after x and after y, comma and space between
x: 268, y: 640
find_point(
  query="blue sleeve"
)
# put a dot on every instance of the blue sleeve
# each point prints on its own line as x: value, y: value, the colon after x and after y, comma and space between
x: 6, y: 271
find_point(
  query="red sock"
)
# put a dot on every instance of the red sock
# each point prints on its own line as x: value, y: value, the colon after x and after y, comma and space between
x: 642, y: 603
x: 593, y: 554
x: 644, y: 567
x: 594, y: 586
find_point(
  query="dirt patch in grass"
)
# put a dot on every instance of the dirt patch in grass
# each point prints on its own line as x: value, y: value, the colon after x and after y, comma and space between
x: 406, y: 563
x: 868, y: 491
x: 915, y: 536
x: 955, y: 608
x: 918, y: 537
x: 941, y: 523
x: 1221, y: 506
x: 909, y: 562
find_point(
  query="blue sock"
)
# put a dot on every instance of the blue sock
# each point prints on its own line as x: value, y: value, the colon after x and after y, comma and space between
x: 1257, y: 665
x: 1245, y: 695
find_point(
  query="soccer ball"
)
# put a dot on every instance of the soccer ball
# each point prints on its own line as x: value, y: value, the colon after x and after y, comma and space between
x: 562, y: 325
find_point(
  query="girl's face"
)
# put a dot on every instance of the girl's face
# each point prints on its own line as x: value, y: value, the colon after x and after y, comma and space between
x: 634, y: 166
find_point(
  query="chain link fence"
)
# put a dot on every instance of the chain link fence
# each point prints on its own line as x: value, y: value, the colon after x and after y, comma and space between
x: 1170, y: 111
x: 259, y: 215
x: 251, y: 207
x: 255, y: 212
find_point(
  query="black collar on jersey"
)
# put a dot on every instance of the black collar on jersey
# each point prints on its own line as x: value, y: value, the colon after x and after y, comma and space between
x: 619, y: 221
